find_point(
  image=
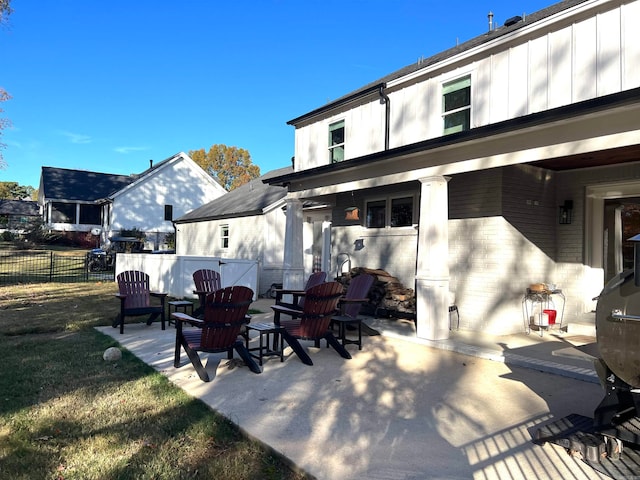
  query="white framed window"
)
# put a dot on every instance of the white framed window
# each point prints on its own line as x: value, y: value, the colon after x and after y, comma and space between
x: 456, y: 105
x: 336, y: 142
x: 390, y: 212
x: 224, y: 235
x: 401, y: 212
x: 376, y: 216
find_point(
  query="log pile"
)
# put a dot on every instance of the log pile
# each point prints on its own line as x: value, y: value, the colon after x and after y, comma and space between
x: 387, y: 297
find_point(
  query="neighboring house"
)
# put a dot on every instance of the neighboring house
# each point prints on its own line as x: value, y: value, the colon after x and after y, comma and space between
x: 249, y: 223
x: 15, y: 215
x: 82, y: 201
x: 508, y: 160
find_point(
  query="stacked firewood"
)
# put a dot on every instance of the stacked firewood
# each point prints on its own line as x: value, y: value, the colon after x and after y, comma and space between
x: 387, y: 297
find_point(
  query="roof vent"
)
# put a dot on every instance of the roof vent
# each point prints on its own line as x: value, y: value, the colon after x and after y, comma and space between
x: 512, y: 21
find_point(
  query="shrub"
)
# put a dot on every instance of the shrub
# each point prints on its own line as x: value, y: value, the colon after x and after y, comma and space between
x: 133, y: 232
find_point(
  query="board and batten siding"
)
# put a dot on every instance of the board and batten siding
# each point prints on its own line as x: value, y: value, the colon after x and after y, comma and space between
x: 582, y: 53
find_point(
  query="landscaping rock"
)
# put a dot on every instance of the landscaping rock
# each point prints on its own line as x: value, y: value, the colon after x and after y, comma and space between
x: 112, y: 354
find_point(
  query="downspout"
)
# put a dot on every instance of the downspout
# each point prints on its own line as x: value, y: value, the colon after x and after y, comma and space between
x: 387, y: 114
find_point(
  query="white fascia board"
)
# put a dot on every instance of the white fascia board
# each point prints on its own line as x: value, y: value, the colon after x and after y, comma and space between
x: 500, y: 41
x: 202, y: 174
x: 275, y: 205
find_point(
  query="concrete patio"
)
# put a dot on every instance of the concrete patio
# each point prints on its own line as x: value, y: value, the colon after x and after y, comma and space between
x: 401, y: 408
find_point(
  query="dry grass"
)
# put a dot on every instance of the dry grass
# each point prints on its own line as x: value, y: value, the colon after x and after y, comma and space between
x: 67, y: 414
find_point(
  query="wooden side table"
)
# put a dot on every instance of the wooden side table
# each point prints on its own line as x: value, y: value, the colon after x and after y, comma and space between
x: 180, y: 306
x: 265, y: 330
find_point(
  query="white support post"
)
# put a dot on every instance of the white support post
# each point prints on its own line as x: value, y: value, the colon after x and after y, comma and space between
x: 293, y: 275
x: 432, y: 275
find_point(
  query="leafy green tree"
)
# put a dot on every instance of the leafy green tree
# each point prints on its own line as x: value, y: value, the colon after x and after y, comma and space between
x: 15, y: 191
x: 230, y: 166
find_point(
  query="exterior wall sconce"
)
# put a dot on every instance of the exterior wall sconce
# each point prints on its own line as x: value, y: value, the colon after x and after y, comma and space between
x: 565, y: 212
x: 352, y: 213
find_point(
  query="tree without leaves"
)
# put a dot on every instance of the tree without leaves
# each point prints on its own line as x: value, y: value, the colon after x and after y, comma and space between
x: 5, y: 11
x: 4, y: 122
x: 230, y: 166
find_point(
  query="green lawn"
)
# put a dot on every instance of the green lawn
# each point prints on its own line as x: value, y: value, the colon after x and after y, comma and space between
x: 65, y: 413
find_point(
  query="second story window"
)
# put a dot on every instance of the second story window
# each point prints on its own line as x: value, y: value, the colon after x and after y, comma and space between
x: 336, y: 142
x: 224, y: 236
x: 456, y: 105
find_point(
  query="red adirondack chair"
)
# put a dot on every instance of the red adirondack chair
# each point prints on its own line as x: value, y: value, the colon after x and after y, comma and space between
x: 135, y: 299
x: 224, y: 316
x: 206, y: 281
x: 349, y: 307
x: 314, y: 279
x: 312, y: 322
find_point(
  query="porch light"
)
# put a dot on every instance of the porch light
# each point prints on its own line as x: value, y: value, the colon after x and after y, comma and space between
x: 565, y: 212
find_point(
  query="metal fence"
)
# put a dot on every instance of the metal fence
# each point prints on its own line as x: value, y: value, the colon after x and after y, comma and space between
x: 38, y: 267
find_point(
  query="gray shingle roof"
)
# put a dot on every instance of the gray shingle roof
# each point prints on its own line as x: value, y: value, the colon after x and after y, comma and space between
x: 438, y: 57
x: 19, y: 207
x: 81, y: 185
x: 249, y: 199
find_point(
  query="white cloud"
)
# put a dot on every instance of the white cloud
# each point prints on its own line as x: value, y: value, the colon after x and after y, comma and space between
x: 126, y: 150
x: 76, y: 137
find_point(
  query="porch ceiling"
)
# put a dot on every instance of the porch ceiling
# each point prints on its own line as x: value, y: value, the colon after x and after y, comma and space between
x: 612, y: 156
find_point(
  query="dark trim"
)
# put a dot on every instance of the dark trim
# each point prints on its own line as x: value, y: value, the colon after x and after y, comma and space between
x: 342, y: 101
x: 586, y: 107
x: 423, y: 63
x: 225, y: 216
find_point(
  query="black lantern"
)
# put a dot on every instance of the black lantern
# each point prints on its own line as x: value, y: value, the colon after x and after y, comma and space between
x: 565, y: 212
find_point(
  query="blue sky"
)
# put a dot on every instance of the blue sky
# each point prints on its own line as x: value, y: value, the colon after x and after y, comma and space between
x: 107, y: 86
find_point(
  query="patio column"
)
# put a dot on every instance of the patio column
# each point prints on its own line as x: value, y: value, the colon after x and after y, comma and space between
x: 432, y: 273
x: 293, y: 271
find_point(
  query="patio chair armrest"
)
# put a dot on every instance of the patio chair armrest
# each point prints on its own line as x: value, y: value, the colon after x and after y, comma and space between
x: 122, y: 297
x: 285, y: 291
x: 158, y: 294
x: 280, y: 292
x: 286, y: 310
x: 183, y: 317
x: 353, y: 300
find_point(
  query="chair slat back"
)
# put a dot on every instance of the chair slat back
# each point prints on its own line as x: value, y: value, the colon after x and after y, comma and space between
x: 224, y: 314
x: 207, y: 280
x: 358, y: 288
x: 320, y: 304
x: 314, y: 279
x: 135, y: 285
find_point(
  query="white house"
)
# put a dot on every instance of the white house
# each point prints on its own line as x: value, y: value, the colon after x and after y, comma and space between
x: 250, y: 223
x: 508, y: 160
x: 83, y: 201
